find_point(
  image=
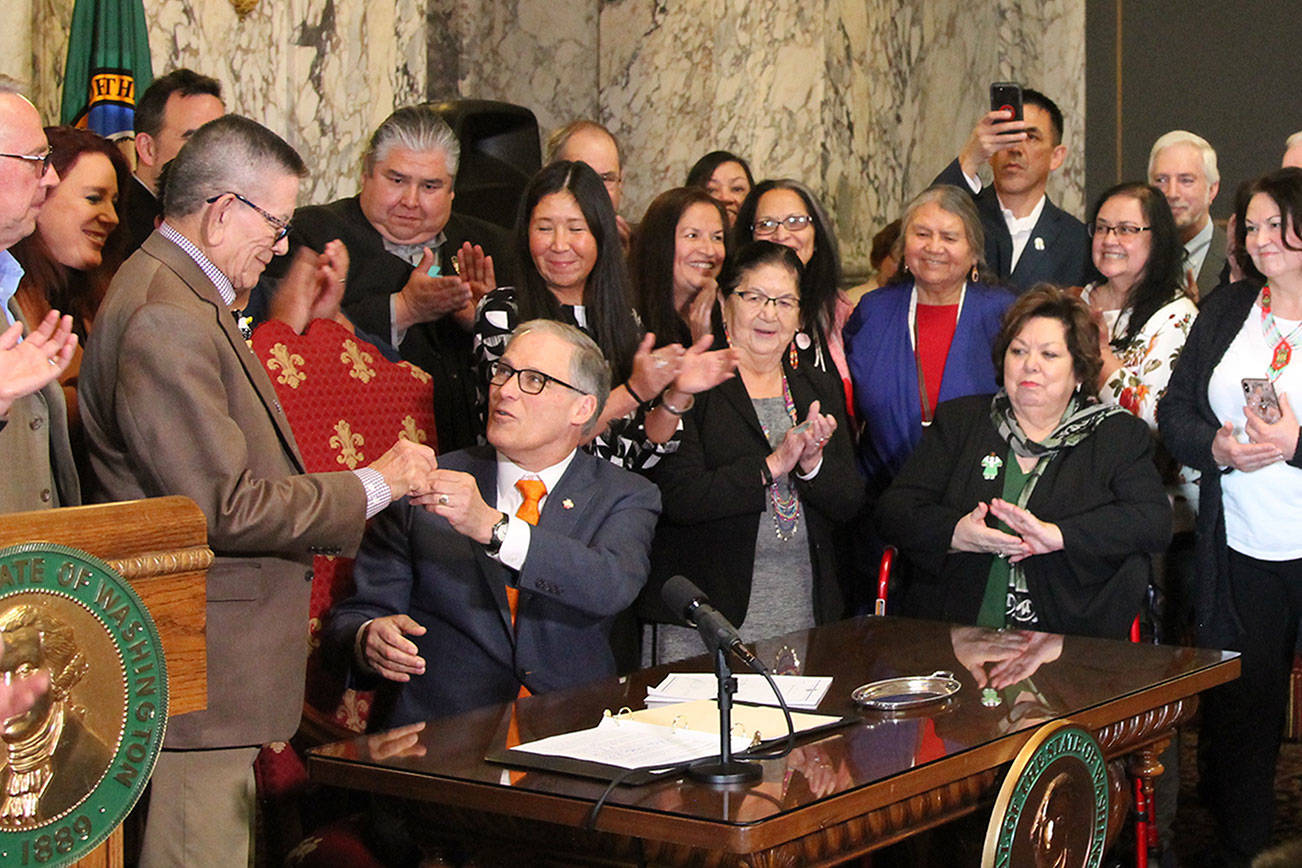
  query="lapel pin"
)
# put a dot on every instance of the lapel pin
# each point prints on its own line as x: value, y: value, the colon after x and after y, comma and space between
x: 567, y: 504
x: 1039, y: 243
x: 990, y: 466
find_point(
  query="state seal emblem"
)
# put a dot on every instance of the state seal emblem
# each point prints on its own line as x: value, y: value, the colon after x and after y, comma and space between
x: 1052, y: 810
x: 78, y: 757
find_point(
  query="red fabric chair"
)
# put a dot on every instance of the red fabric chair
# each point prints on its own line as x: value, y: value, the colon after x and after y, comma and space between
x: 347, y: 405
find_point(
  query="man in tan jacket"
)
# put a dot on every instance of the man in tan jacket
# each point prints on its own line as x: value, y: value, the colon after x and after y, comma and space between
x: 174, y: 402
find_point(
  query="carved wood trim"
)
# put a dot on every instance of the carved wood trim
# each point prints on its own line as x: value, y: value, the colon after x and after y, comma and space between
x: 152, y: 564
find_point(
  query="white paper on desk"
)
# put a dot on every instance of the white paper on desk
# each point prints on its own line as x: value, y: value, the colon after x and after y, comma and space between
x: 630, y: 744
x: 800, y: 691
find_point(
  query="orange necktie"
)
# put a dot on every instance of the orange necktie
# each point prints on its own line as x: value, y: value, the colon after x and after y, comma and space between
x: 533, y: 491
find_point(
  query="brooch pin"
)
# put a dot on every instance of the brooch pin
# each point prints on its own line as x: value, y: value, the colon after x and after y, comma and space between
x: 990, y: 466
x: 1039, y: 243
x: 990, y: 698
x: 567, y: 504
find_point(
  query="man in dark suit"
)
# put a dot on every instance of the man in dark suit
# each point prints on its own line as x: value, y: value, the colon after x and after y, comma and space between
x: 412, y: 279
x: 174, y: 402
x: 1028, y: 238
x: 1183, y: 166
x: 171, y: 109
x: 433, y: 612
x: 34, y: 450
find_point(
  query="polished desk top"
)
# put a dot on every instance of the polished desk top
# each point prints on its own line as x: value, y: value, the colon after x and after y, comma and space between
x: 882, y: 760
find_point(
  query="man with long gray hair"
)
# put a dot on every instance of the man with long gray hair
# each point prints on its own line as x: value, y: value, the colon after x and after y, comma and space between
x: 174, y: 402
x: 416, y: 269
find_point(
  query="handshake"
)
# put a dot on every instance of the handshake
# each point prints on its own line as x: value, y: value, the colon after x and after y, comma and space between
x: 412, y: 470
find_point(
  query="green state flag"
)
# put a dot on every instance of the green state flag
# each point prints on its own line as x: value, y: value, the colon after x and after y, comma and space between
x: 108, y: 65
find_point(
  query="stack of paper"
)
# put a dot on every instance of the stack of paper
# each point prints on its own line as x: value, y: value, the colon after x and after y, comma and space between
x: 800, y: 691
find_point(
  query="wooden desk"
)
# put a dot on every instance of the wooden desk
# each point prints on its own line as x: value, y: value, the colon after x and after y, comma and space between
x: 848, y: 793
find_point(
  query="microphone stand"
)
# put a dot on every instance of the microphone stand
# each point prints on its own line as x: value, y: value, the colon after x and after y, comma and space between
x: 726, y: 771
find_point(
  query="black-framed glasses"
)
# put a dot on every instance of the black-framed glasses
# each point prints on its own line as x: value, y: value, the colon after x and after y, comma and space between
x: 1122, y: 230
x: 793, y: 222
x: 281, y: 226
x: 758, y: 300
x: 531, y: 382
x: 43, y: 159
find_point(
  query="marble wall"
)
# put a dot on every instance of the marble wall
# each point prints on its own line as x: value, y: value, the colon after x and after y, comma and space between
x: 322, y: 73
x: 864, y: 100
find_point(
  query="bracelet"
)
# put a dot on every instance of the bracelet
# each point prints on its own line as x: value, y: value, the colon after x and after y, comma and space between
x: 677, y: 411
x: 765, y: 474
x: 628, y: 384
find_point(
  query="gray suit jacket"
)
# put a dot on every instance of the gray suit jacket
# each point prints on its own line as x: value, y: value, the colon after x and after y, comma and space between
x: 39, y: 472
x: 174, y: 402
x: 1213, y: 264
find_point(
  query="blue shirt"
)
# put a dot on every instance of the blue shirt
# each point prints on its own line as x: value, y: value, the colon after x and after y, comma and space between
x: 10, y: 275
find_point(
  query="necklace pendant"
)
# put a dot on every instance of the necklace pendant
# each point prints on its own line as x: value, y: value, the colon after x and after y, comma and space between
x: 990, y: 467
x: 1283, y: 352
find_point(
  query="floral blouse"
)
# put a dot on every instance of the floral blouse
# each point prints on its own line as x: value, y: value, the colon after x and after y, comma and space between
x: 1147, y: 360
x: 624, y: 442
x: 1146, y: 365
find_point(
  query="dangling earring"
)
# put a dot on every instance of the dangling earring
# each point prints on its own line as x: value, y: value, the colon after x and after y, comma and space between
x: 976, y: 275
x: 792, y: 356
x: 904, y: 269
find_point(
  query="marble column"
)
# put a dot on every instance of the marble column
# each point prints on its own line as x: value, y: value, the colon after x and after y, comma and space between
x: 864, y: 100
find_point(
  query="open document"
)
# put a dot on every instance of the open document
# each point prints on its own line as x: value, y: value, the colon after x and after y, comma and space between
x: 800, y: 691
x: 660, y: 737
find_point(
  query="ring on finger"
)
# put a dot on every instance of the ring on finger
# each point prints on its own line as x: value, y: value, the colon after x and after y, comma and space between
x: 443, y: 500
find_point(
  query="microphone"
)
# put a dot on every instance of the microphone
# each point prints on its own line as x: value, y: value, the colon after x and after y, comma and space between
x: 685, y: 599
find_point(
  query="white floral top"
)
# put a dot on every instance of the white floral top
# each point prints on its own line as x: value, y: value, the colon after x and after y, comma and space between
x: 1147, y: 360
x: 1146, y: 365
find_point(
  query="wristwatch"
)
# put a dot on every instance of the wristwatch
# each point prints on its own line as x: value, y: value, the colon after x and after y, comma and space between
x: 497, y: 535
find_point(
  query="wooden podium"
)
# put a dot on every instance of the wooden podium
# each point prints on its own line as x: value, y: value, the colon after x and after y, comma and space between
x: 160, y: 546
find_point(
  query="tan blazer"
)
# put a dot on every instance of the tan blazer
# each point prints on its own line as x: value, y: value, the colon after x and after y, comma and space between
x: 174, y: 402
x: 36, y: 466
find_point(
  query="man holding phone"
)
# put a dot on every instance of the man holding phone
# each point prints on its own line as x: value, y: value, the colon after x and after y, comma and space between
x: 1028, y: 238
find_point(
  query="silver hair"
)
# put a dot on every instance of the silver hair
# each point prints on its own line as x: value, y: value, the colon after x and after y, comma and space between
x: 956, y: 202
x: 1293, y: 140
x: 417, y: 128
x: 230, y: 154
x: 589, y: 370
x: 1184, y: 137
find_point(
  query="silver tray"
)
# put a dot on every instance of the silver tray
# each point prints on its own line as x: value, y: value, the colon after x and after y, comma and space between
x: 910, y: 691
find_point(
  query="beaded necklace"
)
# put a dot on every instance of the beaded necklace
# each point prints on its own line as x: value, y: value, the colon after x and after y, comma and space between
x: 786, y: 505
x: 1283, y: 344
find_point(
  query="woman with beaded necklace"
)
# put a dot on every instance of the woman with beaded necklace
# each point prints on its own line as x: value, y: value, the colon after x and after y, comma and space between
x: 764, y: 474
x: 1248, y: 595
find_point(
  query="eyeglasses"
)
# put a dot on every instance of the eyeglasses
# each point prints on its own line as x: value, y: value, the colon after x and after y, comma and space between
x: 281, y: 226
x: 531, y: 382
x: 1122, y: 230
x: 793, y: 222
x: 758, y: 301
x: 43, y: 159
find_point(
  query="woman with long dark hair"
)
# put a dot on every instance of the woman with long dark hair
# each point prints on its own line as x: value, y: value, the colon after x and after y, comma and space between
x: 726, y: 177
x: 675, y: 258
x: 78, y: 243
x: 571, y: 268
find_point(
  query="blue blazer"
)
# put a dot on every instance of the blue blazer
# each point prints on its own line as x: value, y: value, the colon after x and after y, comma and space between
x: 1058, y: 251
x: 588, y: 558
x: 879, y: 352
